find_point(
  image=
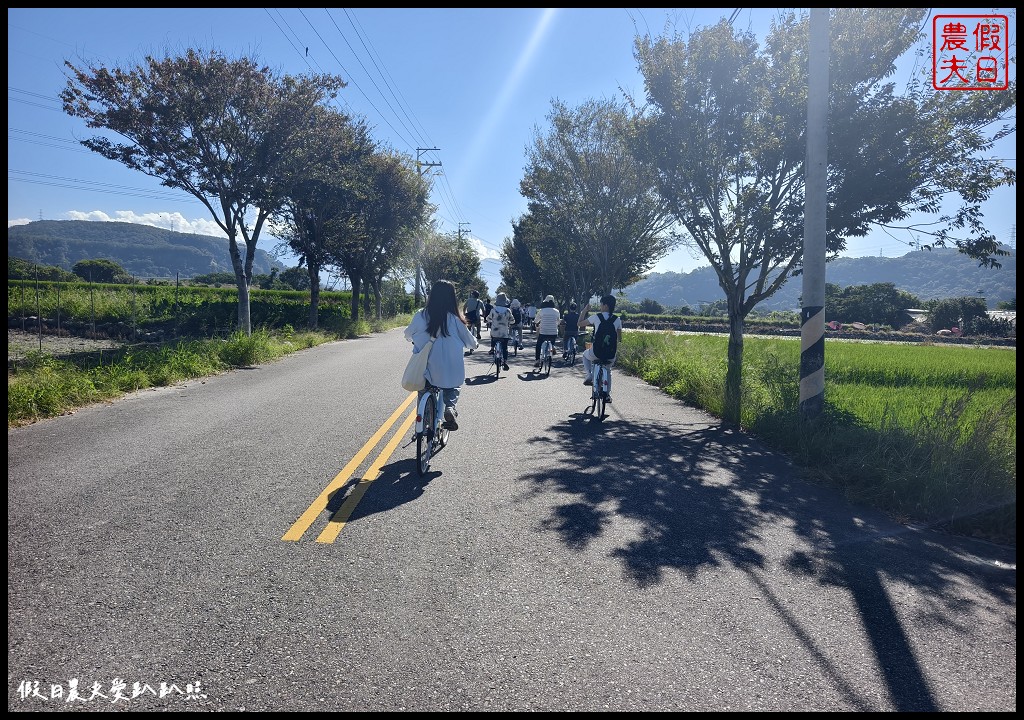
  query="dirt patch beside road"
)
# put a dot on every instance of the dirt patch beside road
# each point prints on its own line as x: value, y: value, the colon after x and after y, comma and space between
x: 20, y: 343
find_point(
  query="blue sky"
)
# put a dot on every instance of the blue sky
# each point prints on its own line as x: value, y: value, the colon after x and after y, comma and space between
x: 474, y: 83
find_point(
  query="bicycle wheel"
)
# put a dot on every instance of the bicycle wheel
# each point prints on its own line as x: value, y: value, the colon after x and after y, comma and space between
x: 547, y: 363
x: 497, y: 361
x: 425, y: 440
x: 599, y: 394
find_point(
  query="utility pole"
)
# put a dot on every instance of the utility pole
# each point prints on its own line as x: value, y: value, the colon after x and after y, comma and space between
x: 460, y: 230
x: 812, y: 314
x: 421, y: 167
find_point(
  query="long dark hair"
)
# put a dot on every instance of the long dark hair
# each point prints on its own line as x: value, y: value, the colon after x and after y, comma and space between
x: 440, y: 302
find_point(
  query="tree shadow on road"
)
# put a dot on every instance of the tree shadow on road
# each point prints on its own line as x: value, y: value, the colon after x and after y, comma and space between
x: 701, y: 497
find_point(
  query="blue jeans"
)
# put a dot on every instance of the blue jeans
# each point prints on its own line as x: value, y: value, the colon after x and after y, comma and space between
x: 449, y: 397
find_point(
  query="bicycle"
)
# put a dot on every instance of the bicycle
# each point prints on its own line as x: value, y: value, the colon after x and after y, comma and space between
x: 499, y: 359
x: 516, y: 339
x: 569, y: 354
x: 602, y: 376
x: 546, y: 351
x: 431, y: 434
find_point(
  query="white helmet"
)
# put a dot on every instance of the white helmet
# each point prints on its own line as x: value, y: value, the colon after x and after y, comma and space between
x: 515, y: 303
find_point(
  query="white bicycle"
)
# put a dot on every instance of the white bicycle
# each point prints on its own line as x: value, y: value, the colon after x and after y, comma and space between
x: 546, y: 351
x: 602, y: 377
x: 431, y: 434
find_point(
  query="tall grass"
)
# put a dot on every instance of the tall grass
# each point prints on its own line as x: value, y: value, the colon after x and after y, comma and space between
x: 41, y: 386
x: 927, y: 433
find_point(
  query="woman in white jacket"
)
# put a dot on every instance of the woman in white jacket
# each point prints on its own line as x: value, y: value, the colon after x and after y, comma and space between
x: 446, y: 367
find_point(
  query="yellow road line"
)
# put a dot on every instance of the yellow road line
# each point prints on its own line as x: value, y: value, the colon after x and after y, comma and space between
x: 307, y: 518
x: 342, y: 514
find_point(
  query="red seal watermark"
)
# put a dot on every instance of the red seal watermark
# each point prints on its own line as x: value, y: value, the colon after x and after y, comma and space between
x: 970, y: 52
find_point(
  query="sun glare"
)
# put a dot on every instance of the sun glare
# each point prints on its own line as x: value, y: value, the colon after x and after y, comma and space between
x: 508, y: 90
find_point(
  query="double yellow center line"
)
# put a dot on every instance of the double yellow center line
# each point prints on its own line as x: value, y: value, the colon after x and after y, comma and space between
x: 342, y: 514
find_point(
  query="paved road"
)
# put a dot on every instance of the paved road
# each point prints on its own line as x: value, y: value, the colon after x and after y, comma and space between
x: 201, y: 548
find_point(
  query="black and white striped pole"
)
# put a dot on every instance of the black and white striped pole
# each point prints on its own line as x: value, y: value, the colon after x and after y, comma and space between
x: 812, y: 313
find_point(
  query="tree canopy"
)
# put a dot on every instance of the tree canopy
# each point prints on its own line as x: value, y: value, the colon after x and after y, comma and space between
x: 101, y: 270
x: 452, y: 257
x: 323, y: 185
x: 595, y: 221
x: 217, y: 128
x: 723, y: 123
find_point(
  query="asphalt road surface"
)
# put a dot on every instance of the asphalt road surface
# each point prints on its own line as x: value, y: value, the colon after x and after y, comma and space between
x: 261, y: 541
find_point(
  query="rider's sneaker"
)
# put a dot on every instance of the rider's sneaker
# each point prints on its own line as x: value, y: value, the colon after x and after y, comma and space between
x: 588, y: 381
x: 449, y: 419
x: 607, y: 398
x: 504, y: 367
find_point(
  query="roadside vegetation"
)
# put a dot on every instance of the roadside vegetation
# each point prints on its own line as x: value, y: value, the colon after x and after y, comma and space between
x: 41, y: 385
x: 926, y: 433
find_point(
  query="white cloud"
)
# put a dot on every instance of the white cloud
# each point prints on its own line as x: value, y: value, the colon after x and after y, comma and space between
x: 19, y: 221
x: 483, y: 251
x: 166, y: 220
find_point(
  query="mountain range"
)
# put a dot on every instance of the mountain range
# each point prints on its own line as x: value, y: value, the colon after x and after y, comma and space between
x: 936, y: 274
x: 142, y: 250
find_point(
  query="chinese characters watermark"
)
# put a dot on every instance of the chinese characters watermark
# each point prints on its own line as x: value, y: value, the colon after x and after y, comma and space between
x: 970, y: 52
x: 118, y: 691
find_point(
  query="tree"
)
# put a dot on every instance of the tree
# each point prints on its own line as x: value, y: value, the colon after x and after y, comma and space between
x: 102, y: 271
x: 451, y: 257
x: 216, y: 128
x: 18, y: 269
x: 324, y: 184
x: 878, y: 303
x: 527, y: 266
x: 724, y: 125
x: 651, y: 307
x: 398, y: 211
x: 296, y: 278
x: 387, y: 213
x: 597, y: 213
x: 961, y: 313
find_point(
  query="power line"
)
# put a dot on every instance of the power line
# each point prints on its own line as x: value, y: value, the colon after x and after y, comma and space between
x: 93, y: 186
x: 388, y: 80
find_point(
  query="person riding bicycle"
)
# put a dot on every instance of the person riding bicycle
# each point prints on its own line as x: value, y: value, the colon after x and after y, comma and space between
x: 607, y: 310
x: 571, y: 331
x: 500, y: 321
x: 547, y: 327
x: 530, y: 314
x: 474, y: 311
x: 446, y: 366
x: 517, y: 322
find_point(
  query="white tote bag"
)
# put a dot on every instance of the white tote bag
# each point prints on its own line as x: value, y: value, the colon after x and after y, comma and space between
x: 415, y: 377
